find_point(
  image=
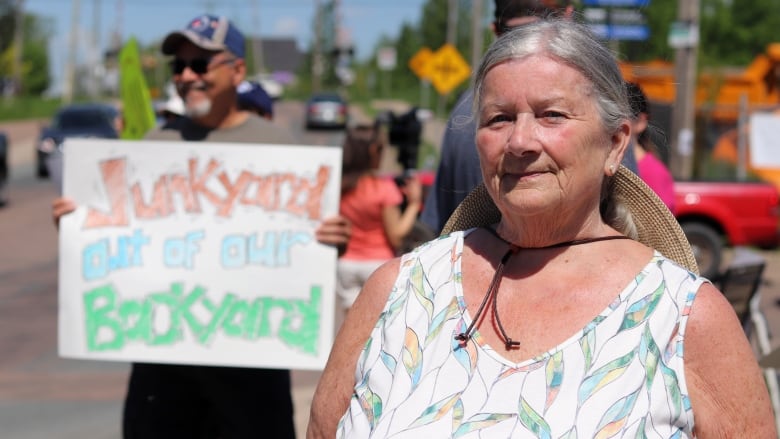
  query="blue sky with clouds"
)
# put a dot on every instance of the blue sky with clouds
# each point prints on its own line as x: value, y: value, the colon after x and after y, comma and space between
x: 364, y: 21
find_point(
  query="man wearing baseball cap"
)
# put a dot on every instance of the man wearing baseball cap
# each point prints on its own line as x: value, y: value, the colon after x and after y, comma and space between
x: 189, y: 401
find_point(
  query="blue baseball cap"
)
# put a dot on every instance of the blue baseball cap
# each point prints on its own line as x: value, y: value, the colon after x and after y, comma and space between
x: 207, y: 32
x: 252, y: 96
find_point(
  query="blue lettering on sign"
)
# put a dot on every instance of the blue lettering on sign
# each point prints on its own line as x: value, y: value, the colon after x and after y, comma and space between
x: 620, y: 32
x: 274, y: 251
x: 180, y: 252
x: 97, y: 260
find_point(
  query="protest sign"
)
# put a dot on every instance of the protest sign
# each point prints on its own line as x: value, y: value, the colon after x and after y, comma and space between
x: 197, y: 253
x: 764, y: 141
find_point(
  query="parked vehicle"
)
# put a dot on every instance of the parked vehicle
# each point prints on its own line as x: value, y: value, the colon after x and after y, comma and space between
x: 326, y: 110
x: 716, y: 214
x: 76, y: 120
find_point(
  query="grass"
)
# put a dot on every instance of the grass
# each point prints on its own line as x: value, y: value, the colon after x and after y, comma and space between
x: 27, y: 108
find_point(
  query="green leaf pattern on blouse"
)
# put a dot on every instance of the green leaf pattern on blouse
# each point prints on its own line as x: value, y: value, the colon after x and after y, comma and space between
x: 620, y: 376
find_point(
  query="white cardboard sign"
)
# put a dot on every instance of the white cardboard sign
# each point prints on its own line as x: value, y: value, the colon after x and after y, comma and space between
x: 198, y: 253
x: 765, y: 140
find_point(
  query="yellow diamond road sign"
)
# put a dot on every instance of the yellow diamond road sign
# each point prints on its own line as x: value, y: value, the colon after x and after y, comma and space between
x: 419, y: 60
x: 446, y: 69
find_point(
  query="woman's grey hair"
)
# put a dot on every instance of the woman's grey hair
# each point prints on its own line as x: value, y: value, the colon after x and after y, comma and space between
x: 575, y: 45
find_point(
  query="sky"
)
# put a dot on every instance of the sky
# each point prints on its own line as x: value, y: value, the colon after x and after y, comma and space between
x: 364, y: 21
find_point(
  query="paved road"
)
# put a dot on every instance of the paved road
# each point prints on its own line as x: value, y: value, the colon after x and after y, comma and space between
x: 44, y: 396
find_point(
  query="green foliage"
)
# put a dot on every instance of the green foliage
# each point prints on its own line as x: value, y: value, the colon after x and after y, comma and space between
x: 36, y: 32
x: 7, y: 24
x: 408, y: 43
x: 35, y: 68
x: 733, y: 32
x: 28, y: 108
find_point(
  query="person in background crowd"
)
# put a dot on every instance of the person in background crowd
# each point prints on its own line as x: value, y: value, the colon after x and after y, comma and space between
x: 651, y: 169
x: 372, y: 204
x: 458, y: 171
x: 188, y: 401
x: 253, y: 97
x: 542, y: 311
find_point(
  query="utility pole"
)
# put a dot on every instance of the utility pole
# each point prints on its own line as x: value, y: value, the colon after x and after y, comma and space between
x: 18, y: 44
x: 95, y: 57
x: 476, y: 33
x: 452, y: 39
x: 684, y: 111
x: 70, y: 62
x: 316, y: 62
x: 257, y: 40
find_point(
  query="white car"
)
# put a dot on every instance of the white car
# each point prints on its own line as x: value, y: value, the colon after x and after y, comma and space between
x: 271, y: 86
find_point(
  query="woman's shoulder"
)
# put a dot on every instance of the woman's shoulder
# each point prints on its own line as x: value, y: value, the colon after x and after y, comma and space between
x: 447, y: 242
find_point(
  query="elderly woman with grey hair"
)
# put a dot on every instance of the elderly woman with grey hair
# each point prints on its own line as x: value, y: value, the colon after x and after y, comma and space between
x: 562, y: 300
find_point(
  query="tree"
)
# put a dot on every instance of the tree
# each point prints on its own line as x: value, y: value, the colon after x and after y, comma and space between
x: 7, y: 23
x: 407, y: 45
x: 733, y: 32
x: 659, y: 15
x: 35, y: 58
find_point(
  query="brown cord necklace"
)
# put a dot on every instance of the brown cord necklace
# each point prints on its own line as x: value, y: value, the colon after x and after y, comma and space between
x: 492, y: 290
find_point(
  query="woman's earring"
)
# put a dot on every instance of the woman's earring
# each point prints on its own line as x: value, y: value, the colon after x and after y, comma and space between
x: 612, y: 168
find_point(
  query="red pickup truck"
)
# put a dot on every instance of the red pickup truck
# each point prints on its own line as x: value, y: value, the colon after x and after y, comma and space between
x: 715, y: 214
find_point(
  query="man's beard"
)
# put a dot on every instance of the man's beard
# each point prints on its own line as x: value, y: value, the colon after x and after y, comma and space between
x: 200, y: 109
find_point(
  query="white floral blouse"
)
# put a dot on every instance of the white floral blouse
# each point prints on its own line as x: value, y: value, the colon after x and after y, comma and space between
x: 621, y: 376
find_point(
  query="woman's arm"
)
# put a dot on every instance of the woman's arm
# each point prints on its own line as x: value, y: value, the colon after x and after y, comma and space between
x: 398, y: 224
x: 335, y: 387
x: 727, y: 390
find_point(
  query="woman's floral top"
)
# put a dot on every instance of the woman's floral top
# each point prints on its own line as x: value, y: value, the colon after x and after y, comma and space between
x: 619, y: 376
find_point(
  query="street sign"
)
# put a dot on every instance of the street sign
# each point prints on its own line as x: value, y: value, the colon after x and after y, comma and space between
x: 419, y: 60
x: 386, y: 58
x: 626, y: 16
x: 616, y: 2
x: 446, y: 69
x: 621, y: 31
x: 595, y: 15
x: 683, y: 35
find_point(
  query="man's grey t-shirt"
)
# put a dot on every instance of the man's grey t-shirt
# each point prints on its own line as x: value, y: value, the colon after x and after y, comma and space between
x: 254, y: 130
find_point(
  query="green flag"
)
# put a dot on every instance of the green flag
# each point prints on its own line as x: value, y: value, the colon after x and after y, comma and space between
x: 136, y: 101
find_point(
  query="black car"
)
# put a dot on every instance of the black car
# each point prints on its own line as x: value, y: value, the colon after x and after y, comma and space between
x: 76, y: 120
x: 326, y: 110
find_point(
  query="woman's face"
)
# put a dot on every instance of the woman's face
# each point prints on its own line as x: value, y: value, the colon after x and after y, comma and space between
x: 540, y: 138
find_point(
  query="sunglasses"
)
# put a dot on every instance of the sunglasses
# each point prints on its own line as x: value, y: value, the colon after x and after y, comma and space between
x: 197, y: 65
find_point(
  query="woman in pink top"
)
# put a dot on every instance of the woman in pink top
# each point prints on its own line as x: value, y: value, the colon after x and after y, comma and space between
x: 652, y: 170
x: 373, y: 205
